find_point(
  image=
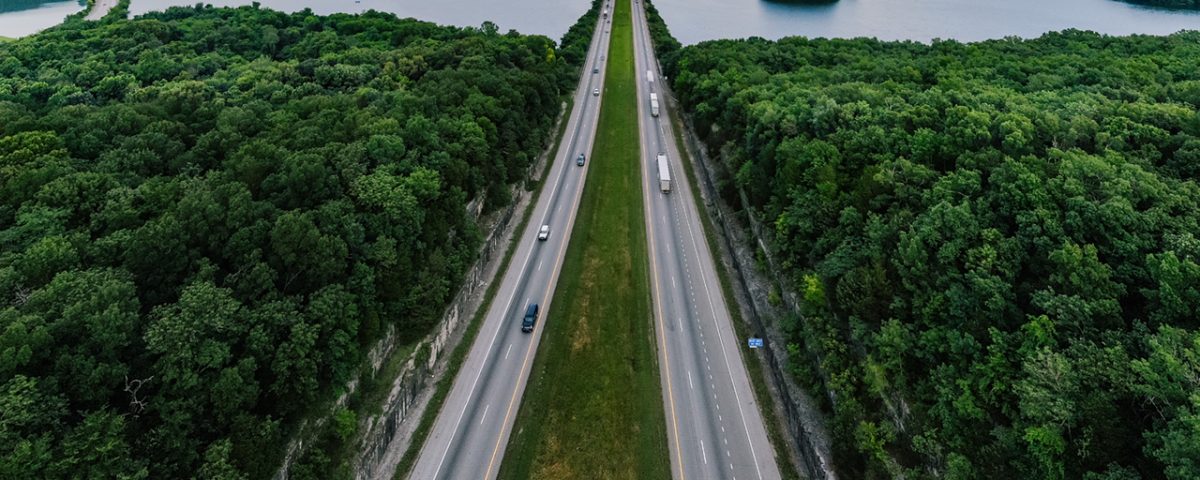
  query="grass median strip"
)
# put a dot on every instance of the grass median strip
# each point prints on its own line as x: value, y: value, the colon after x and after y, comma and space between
x: 593, y: 406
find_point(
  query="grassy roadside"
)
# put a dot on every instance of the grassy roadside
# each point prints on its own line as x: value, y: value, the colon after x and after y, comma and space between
x: 593, y: 407
x: 754, y: 363
x: 464, y: 345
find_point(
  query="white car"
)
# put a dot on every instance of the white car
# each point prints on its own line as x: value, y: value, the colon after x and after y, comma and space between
x: 596, y: 92
x: 544, y: 233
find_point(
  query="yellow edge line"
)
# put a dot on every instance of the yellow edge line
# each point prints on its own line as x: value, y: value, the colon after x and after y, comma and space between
x: 545, y: 300
x: 662, y: 334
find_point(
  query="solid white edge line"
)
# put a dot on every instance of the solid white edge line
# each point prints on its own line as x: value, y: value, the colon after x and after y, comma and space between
x: 566, y: 153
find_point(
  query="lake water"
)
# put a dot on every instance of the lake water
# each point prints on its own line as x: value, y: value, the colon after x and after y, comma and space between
x: 696, y: 20
x: 693, y: 21
x: 23, y: 17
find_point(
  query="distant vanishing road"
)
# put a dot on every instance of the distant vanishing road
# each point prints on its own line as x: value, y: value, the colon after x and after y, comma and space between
x: 100, y: 9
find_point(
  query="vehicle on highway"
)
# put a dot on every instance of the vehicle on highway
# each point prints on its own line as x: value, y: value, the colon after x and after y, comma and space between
x: 596, y: 70
x: 664, y: 174
x: 468, y: 440
x: 531, y: 314
x: 654, y: 104
x: 596, y: 92
x: 579, y: 160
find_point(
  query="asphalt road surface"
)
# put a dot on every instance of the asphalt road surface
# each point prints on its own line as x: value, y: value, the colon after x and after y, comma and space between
x: 472, y: 430
x: 714, y: 426
x: 100, y: 9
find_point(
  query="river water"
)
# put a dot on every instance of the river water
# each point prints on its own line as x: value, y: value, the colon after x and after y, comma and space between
x: 696, y: 20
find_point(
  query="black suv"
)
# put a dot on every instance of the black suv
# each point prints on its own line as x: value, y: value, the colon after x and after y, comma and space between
x: 530, y: 319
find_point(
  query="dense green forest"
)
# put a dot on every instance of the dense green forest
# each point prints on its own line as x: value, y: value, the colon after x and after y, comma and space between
x: 206, y: 215
x: 997, y: 244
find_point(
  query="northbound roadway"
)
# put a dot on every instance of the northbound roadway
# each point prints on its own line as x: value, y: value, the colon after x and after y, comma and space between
x: 714, y: 426
x: 472, y: 429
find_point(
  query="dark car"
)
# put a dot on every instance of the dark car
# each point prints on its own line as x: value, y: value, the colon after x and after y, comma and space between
x: 530, y: 319
x: 579, y: 160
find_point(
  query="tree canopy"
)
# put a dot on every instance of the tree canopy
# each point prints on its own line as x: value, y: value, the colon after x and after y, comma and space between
x: 997, y: 244
x: 207, y: 214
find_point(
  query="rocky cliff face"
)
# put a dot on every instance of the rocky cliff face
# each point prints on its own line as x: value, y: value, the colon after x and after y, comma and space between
x: 385, y: 437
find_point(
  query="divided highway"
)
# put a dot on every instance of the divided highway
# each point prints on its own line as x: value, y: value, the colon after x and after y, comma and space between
x: 714, y: 426
x: 468, y: 439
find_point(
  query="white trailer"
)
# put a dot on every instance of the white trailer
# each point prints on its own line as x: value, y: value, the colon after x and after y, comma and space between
x: 664, y: 174
x: 654, y: 104
x: 649, y: 76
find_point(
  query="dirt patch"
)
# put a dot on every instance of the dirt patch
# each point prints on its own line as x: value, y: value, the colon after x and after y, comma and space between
x: 582, y: 336
x: 556, y: 468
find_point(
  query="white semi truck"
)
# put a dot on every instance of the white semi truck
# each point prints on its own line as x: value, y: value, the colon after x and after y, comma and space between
x: 664, y: 174
x: 654, y: 104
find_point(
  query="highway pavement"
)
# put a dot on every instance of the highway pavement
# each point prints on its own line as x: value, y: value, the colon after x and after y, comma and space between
x: 100, y: 9
x: 468, y: 439
x: 714, y: 426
